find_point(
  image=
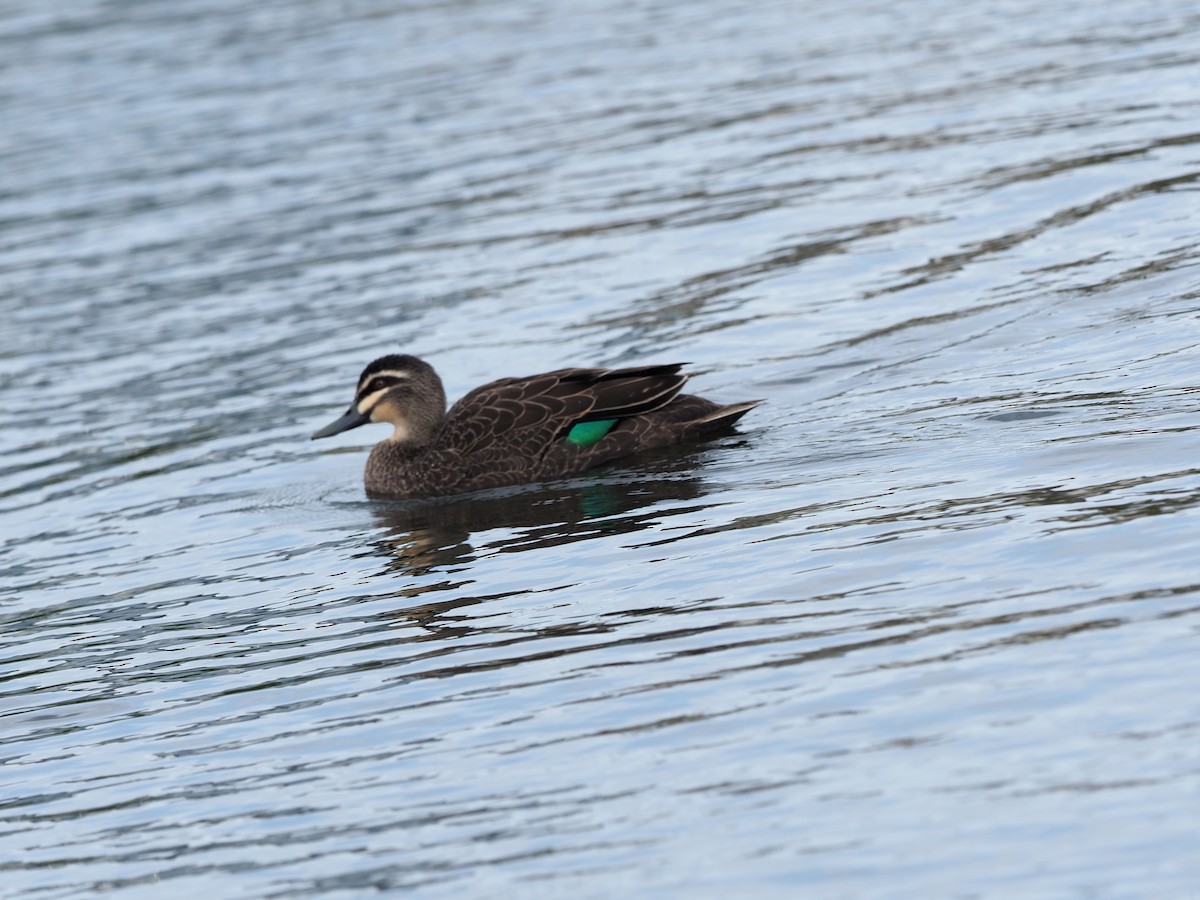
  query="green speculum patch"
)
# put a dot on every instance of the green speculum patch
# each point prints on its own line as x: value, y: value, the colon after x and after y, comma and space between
x: 584, y: 434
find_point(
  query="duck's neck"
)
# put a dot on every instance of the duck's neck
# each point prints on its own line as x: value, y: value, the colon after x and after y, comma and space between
x: 415, y: 428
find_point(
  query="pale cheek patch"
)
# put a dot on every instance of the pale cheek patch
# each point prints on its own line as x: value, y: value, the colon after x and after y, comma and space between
x: 367, y: 403
x: 388, y: 412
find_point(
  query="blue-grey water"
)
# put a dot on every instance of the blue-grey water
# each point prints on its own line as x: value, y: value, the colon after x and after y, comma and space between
x: 928, y: 625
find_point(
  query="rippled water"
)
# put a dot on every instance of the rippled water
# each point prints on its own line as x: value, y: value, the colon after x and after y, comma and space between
x: 927, y: 626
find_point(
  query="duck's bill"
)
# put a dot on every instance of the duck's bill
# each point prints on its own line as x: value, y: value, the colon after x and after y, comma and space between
x: 352, y: 419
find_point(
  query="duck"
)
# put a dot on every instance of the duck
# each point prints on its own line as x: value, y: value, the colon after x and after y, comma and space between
x: 519, y: 430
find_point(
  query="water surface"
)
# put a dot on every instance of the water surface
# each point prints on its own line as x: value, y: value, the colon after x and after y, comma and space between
x: 926, y: 626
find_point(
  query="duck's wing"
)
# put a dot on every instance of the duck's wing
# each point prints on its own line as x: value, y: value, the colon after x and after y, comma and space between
x: 519, y: 418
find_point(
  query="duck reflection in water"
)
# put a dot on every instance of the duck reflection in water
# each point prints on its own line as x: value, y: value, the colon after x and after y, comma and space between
x: 424, y: 536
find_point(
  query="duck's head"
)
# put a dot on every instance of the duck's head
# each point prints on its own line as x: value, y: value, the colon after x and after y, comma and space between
x: 399, y: 389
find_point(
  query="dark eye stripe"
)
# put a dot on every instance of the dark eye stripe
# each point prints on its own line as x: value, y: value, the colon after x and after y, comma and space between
x: 378, y: 383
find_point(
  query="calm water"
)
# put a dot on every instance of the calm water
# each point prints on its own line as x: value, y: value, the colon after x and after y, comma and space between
x: 928, y: 626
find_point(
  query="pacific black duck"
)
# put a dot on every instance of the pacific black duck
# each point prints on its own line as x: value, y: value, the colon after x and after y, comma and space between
x: 518, y: 430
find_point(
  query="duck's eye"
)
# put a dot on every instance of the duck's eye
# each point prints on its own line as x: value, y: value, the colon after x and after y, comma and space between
x: 377, y: 384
